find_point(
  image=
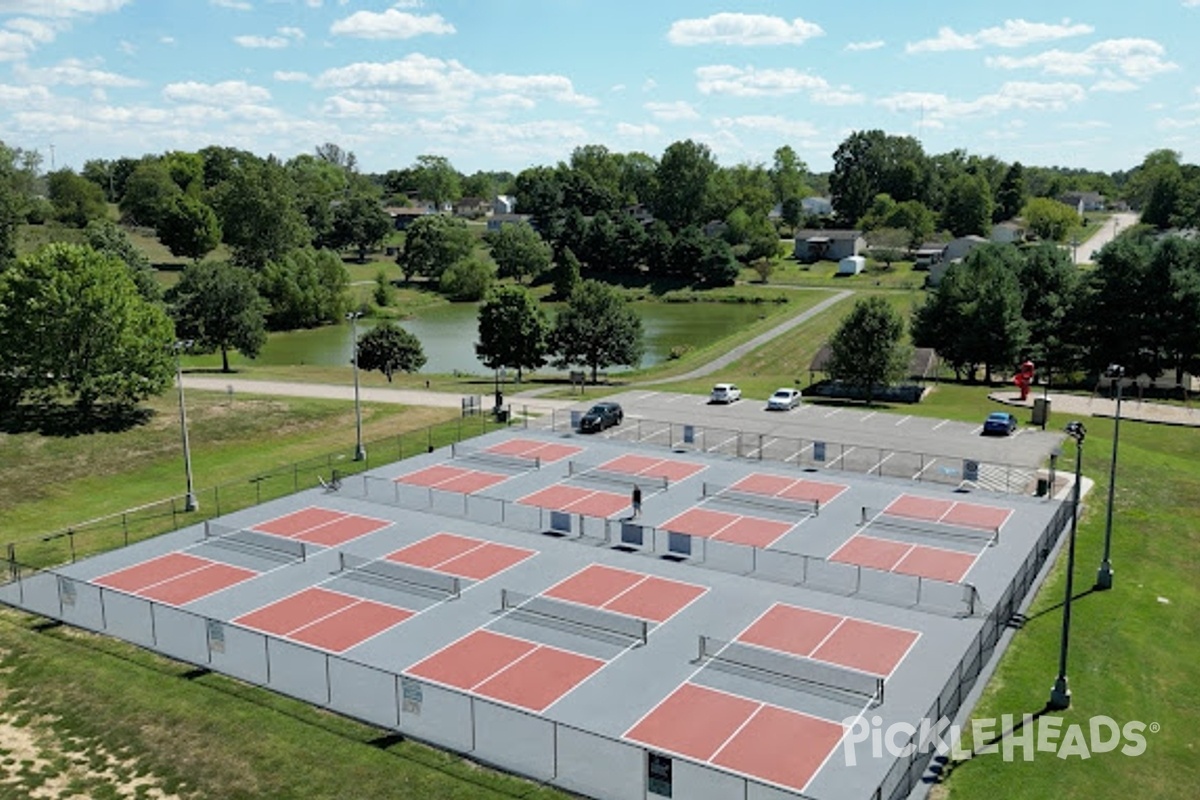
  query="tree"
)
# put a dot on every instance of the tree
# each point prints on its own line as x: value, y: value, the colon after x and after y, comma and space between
x: 787, y: 175
x: 432, y: 244
x: 968, y: 206
x: 467, y: 279
x: 513, y: 331
x: 77, y: 201
x: 717, y: 265
x: 1049, y: 219
x: 519, y: 252
x: 189, y: 228
x: 106, y: 237
x: 866, y: 350
x: 436, y: 180
x: 566, y: 274
x: 389, y: 349
x: 597, y: 329
x: 1125, y: 314
x: 1051, y: 294
x: 11, y: 203
x: 217, y: 305
x: 888, y: 244
x: 73, y: 324
x: 360, y: 222
x: 304, y: 288
x: 1011, y: 196
x: 148, y: 192
x: 259, y: 214
x: 684, y: 175
x: 869, y: 163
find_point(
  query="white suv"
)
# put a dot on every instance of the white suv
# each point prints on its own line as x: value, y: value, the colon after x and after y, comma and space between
x: 725, y: 393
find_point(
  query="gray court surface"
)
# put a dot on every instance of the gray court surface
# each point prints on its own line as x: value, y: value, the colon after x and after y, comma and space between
x: 577, y: 738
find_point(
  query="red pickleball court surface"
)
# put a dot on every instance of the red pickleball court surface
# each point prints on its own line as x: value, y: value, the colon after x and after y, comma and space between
x: 175, y: 578
x: 452, y: 479
x: 790, y: 488
x: 725, y: 527
x: 462, y: 556
x: 906, y: 558
x: 949, y: 512
x: 633, y: 594
x: 546, y: 452
x: 573, y: 499
x: 504, y: 668
x: 738, y: 734
x: 322, y: 526
x: 322, y: 618
x: 652, y: 467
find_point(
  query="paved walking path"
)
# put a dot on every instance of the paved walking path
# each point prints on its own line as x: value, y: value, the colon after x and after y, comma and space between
x: 1096, y: 406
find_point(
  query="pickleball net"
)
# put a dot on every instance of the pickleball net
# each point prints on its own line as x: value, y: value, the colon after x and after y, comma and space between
x: 773, y: 502
x: 878, y: 518
x: 778, y: 667
x: 584, y: 619
x: 394, y: 575
x: 611, y: 477
x: 255, y: 543
x: 465, y: 452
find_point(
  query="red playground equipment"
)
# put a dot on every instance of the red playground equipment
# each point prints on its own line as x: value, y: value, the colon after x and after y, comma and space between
x: 1024, y: 378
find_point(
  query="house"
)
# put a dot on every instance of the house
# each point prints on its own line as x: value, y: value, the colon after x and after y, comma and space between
x: 1083, y: 201
x: 1010, y: 232
x: 504, y: 204
x: 472, y: 207
x: 640, y: 213
x: 833, y: 245
x: 816, y: 206
x: 403, y: 217
x: 498, y: 221
x: 959, y: 248
x: 715, y: 228
x: 928, y: 254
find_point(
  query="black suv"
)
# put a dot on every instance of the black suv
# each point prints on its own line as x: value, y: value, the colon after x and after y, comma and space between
x: 601, y: 416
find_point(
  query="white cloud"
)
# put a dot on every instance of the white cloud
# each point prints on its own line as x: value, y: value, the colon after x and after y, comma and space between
x: 127, y: 47
x: 630, y: 130
x: 73, y: 72
x: 751, y: 82
x: 742, y: 29
x: 337, y: 106
x: 1013, y: 33
x: 776, y: 125
x: 858, y: 47
x: 672, y: 112
x: 650, y: 85
x: 1191, y: 3
x: 61, y: 9
x: 1012, y: 96
x: 226, y: 93
x: 286, y: 76
x: 236, y: 5
x: 292, y: 33
x: 434, y: 84
x: 24, y: 95
x: 390, y: 24
x: 1085, y: 125
x: 1115, y: 85
x: 1134, y: 59
x: 285, y: 37
x: 21, y: 36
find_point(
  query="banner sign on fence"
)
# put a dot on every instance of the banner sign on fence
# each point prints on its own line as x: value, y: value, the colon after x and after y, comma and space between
x: 970, y: 470
x: 819, y: 451
x: 560, y: 522
x: 658, y: 774
x: 689, y: 434
x: 412, y: 696
x: 576, y: 416
x: 216, y: 636
x: 66, y: 591
x: 680, y: 543
x: 632, y: 534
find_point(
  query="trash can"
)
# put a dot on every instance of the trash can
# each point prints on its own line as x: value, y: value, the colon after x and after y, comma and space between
x: 1043, y: 487
x: 501, y: 415
x: 1041, y: 411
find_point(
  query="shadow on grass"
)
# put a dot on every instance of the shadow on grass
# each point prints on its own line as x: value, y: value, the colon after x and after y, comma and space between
x: 68, y: 420
x: 1020, y: 620
x: 941, y: 767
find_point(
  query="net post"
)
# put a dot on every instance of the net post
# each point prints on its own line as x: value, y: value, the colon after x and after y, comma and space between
x: 503, y: 599
x: 863, y: 519
x: 207, y: 529
x: 700, y: 650
x: 879, y: 690
x: 817, y: 507
x: 341, y: 561
x: 456, y: 586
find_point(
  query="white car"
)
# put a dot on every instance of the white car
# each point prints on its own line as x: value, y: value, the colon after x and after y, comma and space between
x: 725, y: 393
x: 783, y: 399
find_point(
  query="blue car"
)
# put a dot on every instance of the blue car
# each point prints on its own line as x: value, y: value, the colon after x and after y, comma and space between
x: 999, y: 423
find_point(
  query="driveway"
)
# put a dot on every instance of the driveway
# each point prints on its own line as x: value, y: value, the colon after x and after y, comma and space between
x: 1085, y: 253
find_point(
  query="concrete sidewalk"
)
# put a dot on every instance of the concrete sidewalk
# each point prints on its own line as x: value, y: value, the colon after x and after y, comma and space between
x: 1096, y: 406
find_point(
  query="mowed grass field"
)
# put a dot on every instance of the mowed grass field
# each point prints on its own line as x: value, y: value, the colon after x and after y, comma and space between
x: 85, y: 714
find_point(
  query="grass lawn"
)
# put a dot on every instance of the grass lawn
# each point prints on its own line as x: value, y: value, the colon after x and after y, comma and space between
x: 788, y: 271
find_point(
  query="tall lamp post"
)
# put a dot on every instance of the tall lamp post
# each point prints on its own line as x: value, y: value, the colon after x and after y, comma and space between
x: 190, y: 503
x: 1104, y: 577
x: 360, y: 452
x: 1060, y: 695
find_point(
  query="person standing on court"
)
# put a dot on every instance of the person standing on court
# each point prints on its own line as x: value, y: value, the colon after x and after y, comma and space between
x: 637, y: 501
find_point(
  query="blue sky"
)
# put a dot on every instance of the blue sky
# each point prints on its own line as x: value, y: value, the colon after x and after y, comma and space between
x: 503, y: 84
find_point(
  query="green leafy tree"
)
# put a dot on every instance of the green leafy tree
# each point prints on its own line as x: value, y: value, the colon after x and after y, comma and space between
x: 539, y: 193
x: 684, y: 177
x: 867, y: 350
x: 968, y: 206
x: 1126, y: 310
x: 566, y: 274
x: 601, y: 244
x: 639, y: 177
x: 1011, y: 195
x: 513, y: 331
x: 389, y: 349
x: 384, y: 293
x: 72, y: 324
x: 218, y: 307
x: 186, y: 170
x: 12, y: 203
x: 432, y: 244
x: 467, y: 279
x: 76, y: 200
x: 105, y: 236
x: 519, y: 252
x: 1049, y: 219
x: 319, y: 185
x: 596, y: 329
x: 717, y: 266
x: 148, y: 192
x: 189, y: 228
x: 788, y: 174
x: 305, y: 288
x: 869, y: 163
x: 259, y: 214
x: 435, y: 179
x: 1050, y: 287
x: 360, y: 222
x: 888, y: 245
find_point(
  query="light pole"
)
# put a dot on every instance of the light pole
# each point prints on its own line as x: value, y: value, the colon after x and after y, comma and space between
x: 1060, y: 694
x: 360, y: 452
x: 1104, y: 577
x: 190, y: 503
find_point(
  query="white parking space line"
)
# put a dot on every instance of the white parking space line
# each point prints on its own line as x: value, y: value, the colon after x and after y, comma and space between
x: 645, y: 395
x: 976, y: 430
x: 720, y: 444
x: 676, y: 398
x: 903, y: 420
x: 868, y: 416
x: 799, y: 452
x: 940, y: 424
x: 879, y: 466
x: 831, y: 413
x: 845, y: 453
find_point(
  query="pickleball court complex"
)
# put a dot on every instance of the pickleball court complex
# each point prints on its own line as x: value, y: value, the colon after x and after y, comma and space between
x: 499, y: 599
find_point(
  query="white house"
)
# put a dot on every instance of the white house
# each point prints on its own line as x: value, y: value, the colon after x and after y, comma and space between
x: 504, y: 204
x: 832, y: 245
x: 959, y: 248
x: 1010, y: 232
x: 817, y: 206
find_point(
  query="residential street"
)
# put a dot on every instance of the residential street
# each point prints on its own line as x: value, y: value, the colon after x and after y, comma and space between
x: 1086, y: 251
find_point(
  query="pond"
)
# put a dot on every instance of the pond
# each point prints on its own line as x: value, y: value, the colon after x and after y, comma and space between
x: 448, y: 334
